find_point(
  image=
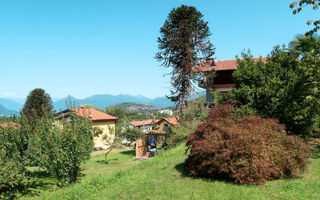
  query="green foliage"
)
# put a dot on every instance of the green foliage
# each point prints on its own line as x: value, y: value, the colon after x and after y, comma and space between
x: 167, y: 180
x: 12, y: 162
x: 306, y: 44
x: 38, y: 104
x: 247, y: 150
x: 125, y: 117
x: 196, y: 113
x: 60, y: 147
x: 97, y: 131
x: 131, y: 133
x: 298, y: 6
x: 183, y: 44
x: 282, y: 88
x: 88, y: 106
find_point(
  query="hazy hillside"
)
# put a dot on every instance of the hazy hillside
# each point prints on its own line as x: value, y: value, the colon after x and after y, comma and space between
x: 137, y: 107
x: 6, y: 112
x: 100, y: 101
x: 10, y: 104
x: 106, y: 100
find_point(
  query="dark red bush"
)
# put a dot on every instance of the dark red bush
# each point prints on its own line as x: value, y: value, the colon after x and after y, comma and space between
x: 247, y: 150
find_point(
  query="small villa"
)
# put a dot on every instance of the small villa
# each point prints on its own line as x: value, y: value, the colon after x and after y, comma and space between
x: 165, y: 122
x: 104, y: 121
x: 144, y: 125
x: 223, y: 81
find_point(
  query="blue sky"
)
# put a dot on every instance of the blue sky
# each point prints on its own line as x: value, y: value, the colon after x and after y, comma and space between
x: 87, y: 47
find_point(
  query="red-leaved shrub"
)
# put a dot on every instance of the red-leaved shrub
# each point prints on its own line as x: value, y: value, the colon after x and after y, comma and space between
x: 247, y: 150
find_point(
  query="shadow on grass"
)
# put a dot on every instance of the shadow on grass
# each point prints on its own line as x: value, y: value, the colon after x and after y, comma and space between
x: 38, y: 181
x: 109, y: 160
x: 128, y: 152
x: 184, y: 173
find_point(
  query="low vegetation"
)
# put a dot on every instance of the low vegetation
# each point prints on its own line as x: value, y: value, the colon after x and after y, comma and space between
x: 195, y: 114
x: 245, y: 150
x: 163, y: 177
x: 60, y: 149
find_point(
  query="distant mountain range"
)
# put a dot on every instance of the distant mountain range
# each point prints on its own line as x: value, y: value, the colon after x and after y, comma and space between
x: 6, y: 112
x: 106, y: 100
x: 11, y: 107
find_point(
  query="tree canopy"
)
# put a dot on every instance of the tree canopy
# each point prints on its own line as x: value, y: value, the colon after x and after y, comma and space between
x: 38, y: 104
x: 281, y: 88
x: 183, y: 44
x: 298, y: 6
x: 306, y: 44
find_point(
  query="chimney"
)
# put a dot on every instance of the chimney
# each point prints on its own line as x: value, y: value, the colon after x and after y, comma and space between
x: 90, y: 115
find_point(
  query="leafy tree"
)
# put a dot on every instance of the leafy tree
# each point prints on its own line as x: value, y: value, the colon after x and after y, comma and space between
x: 12, y: 162
x: 38, y: 104
x: 183, y: 44
x: 131, y: 133
x: 117, y: 111
x: 298, y: 6
x: 196, y: 113
x: 282, y: 88
x: 109, y: 140
x: 306, y: 44
x: 89, y: 106
x: 60, y: 148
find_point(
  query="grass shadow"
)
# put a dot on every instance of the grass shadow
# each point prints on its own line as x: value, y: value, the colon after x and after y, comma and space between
x: 38, y: 180
x: 128, y: 152
x: 184, y: 173
x: 109, y: 160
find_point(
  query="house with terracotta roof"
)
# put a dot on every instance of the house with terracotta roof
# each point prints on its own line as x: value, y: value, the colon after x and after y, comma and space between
x: 104, y: 121
x: 164, y: 123
x: 144, y: 125
x: 9, y: 124
x: 223, y: 81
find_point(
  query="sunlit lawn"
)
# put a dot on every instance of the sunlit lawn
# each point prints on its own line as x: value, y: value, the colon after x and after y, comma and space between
x: 96, y: 166
x: 163, y: 178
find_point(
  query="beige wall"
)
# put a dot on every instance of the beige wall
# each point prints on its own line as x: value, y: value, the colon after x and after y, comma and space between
x: 105, y: 126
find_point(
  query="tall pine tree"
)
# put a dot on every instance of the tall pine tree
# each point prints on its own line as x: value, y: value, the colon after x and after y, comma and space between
x: 183, y: 44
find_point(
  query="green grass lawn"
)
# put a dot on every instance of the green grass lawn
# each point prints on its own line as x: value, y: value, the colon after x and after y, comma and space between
x: 162, y: 177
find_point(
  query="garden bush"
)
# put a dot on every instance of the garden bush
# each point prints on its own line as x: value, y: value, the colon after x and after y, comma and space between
x: 246, y: 150
x: 12, y: 167
x: 61, y: 147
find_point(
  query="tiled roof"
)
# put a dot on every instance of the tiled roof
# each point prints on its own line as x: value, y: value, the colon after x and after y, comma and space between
x: 223, y: 65
x: 92, y: 114
x: 144, y: 122
x: 157, y: 131
x: 173, y: 121
x: 9, y: 124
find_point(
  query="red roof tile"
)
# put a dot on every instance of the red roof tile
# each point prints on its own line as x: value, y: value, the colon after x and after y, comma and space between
x: 144, y: 122
x: 157, y: 131
x: 173, y: 121
x: 92, y: 114
x: 223, y: 65
x: 9, y: 124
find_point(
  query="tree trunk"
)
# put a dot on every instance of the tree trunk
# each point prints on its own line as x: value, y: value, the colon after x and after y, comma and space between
x: 106, y: 155
x: 183, y: 107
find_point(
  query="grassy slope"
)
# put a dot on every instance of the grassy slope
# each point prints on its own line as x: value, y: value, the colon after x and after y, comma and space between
x: 161, y: 178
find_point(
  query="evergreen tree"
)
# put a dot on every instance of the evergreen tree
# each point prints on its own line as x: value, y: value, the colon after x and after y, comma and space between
x: 183, y: 44
x: 38, y: 104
